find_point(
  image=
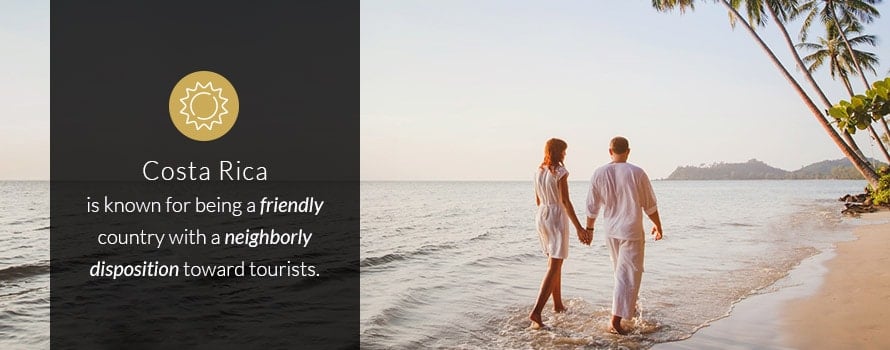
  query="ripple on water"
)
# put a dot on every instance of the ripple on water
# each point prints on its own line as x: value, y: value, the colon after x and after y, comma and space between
x: 584, y: 325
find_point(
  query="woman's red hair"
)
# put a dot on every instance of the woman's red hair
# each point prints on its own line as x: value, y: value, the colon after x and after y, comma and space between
x: 553, y: 153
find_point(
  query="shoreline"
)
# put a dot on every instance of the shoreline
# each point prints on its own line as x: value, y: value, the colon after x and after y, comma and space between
x: 835, y: 299
x: 849, y: 310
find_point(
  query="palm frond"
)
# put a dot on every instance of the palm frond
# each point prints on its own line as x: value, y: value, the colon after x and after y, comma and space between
x: 808, y: 46
x: 833, y: 52
x: 815, y: 61
x: 812, y: 12
x: 862, y: 10
x: 756, y: 11
x: 669, y: 5
x: 867, y: 61
x: 870, y: 40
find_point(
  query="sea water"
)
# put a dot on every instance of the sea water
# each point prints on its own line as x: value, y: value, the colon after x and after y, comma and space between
x: 459, y: 264
x: 24, y: 265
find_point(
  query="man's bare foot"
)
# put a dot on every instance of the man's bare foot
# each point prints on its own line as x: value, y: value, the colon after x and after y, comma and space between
x: 616, y: 326
x: 537, y: 322
x: 559, y: 309
x: 618, y: 331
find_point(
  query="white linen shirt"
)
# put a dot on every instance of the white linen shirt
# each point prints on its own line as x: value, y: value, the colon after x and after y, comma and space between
x: 624, y: 192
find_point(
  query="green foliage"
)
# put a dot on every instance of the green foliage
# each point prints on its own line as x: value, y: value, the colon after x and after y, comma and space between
x: 752, y: 170
x: 757, y: 170
x: 862, y: 110
x: 843, y: 172
x: 881, y: 196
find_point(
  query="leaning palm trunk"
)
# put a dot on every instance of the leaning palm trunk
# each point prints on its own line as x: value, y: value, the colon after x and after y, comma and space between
x: 864, y: 168
x: 883, y: 122
x: 849, y: 47
x: 847, y: 84
x: 859, y: 69
x: 874, y: 135
x: 853, y: 146
x: 809, y: 77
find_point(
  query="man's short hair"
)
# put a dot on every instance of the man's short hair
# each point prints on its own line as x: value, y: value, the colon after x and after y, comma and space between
x: 619, y: 145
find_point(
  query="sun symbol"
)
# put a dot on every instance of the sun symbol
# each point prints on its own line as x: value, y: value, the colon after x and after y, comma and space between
x: 203, y: 106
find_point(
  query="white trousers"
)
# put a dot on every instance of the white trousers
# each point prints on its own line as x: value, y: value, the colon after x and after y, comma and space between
x: 627, y: 261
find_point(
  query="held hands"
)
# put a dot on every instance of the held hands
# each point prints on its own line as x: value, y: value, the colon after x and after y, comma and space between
x: 656, y: 232
x: 585, y: 236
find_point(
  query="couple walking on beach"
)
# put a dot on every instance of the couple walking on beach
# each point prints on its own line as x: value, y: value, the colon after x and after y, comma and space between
x: 623, y: 192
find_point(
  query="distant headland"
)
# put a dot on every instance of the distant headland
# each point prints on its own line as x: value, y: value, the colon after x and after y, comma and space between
x: 840, y: 169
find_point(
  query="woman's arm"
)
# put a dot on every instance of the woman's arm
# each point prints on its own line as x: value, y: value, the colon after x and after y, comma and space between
x: 563, y: 185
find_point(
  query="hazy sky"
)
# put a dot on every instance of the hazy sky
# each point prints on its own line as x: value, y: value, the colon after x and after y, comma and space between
x: 24, y: 89
x: 471, y: 90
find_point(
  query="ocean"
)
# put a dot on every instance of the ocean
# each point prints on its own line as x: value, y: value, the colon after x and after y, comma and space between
x: 459, y: 264
x: 24, y: 265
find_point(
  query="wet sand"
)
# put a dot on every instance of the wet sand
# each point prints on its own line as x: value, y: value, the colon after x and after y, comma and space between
x: 837, y: 299
x: 851, y: 310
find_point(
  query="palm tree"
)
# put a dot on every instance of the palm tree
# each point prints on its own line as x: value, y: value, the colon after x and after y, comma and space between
x: 840, y: 61
x: 832, y: 49
x: 836, y: 13
x: 782, y: 11
x: 827, y: 10
x: 862, y: 165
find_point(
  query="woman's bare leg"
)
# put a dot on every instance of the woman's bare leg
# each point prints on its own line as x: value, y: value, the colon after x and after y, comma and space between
x: 553, y: 266
x: 557, y: 291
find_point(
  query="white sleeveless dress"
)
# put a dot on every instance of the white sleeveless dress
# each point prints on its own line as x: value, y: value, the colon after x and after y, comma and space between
x: 551, y: 219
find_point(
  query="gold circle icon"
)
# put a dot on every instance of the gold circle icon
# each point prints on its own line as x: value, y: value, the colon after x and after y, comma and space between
x: 204, y: 106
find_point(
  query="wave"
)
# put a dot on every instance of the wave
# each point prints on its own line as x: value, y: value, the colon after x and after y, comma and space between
x: 381, y: 260
x: 408, y: 301
x: 738, y: 224
x: 28, y: 221
x: 584, y: 325
x: 23, y: 271
x: 392, y: 324
x: 504, y: 260
x: 388, y: 258
x: 481, y: 237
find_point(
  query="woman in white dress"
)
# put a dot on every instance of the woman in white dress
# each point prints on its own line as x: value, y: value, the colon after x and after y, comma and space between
x: 555, y: 210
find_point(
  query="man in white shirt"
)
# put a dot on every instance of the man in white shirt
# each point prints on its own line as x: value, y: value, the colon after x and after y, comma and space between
x: 623, y: 191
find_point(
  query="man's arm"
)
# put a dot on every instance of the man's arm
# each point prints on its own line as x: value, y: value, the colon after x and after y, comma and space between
x: 590, y: 222
x: 657, y: 221
x: 593, y: 208
x: 650, y: 206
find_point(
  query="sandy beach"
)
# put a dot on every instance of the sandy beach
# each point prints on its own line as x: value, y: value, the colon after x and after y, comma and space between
x: 836, y: 299
x: 851, y: 309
